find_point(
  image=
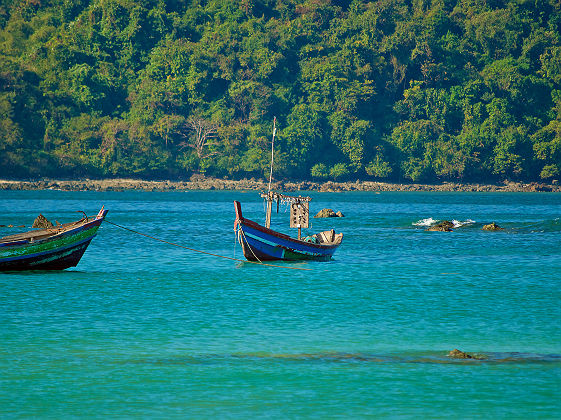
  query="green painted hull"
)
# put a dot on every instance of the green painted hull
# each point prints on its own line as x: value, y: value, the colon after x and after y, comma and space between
x: 56, y: 252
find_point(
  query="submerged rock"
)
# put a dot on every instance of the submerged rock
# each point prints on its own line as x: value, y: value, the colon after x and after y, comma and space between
x: 492, y: 227
x: 42, y: 223
x: 444, y: 226
x: 458, y: 354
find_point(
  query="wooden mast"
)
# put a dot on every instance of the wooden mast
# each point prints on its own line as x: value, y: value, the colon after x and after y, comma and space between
x: 269, y: 196
x: 269, y: 209
x: 299, y: 207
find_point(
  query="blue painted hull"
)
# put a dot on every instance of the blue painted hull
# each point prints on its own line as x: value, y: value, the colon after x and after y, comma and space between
x: 262, y: 244
x: 57, y: 259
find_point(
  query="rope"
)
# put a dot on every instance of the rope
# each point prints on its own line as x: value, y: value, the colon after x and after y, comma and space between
x: 235, y: 240
x: 256, y: 257
x: 248, y: 245
x: 202, y: 252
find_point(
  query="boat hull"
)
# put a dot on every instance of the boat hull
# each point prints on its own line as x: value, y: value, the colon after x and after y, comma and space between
x: 57, y: 252
x: 262, y: 244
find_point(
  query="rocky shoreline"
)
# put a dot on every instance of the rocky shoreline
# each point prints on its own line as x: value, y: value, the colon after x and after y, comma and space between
x: 203, y: 183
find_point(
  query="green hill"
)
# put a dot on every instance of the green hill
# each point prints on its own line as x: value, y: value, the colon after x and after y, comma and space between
x: 417, y: 90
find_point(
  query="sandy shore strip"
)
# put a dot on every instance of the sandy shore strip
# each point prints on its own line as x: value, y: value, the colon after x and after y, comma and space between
x: 203, y: 183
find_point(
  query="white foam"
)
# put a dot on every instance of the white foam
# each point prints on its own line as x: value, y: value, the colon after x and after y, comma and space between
x: 425, y: 222
x: 458, y: 224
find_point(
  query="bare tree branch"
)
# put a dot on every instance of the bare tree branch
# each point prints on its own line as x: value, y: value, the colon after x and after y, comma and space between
x: 201, y: 132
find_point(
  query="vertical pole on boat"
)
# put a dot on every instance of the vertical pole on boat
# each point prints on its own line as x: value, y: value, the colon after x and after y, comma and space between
x: 272, y: 151
x: 269, y: 195
x: 269, y: 208
x: 299, y: 232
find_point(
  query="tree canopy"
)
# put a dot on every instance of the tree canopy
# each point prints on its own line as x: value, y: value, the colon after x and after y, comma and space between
x: 407, y: 90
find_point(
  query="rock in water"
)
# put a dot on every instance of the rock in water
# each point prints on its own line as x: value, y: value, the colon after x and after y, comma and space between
x: 339, y: 214
x: 444, y: 226
x: 326, y: 213
x: 42, y: 223
x: 492, y: 226
x: 457, y: 354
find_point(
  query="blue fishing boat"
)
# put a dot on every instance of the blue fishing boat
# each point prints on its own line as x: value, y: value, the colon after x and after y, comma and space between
x: 54, y: 248
x: 260, y: 243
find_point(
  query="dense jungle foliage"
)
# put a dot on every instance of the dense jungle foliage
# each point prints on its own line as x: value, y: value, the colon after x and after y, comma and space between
x: 405, y: 90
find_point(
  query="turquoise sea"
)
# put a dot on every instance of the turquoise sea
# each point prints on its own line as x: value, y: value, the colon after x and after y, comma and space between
x: 142, y: 329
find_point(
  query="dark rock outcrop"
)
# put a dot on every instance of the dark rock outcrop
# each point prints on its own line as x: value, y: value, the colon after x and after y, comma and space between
x: 201, y: 182
x: 492, y: 227
x: 328, y: 213
x: 444, y: 226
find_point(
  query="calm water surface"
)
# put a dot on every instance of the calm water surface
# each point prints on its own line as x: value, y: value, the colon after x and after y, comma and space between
x: 143, y: 329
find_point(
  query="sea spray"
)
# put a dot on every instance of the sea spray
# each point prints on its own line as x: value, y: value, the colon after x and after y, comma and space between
x: 425, y: 222
x: 430, y: 222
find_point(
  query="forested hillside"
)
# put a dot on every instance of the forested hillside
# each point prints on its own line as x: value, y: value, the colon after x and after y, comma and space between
x: 417, y: 90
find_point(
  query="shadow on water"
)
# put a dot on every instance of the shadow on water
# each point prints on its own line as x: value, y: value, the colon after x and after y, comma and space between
x: 338, y: 357
x: 32, y: 273
x: 295, y: 265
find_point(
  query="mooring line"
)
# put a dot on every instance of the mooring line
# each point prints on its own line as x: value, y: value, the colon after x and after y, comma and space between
x: 248, y: 245
x: 202, y: 252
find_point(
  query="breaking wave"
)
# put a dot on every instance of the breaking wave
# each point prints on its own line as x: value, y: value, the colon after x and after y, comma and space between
x: 425, y: 222
x: 522, y: 226
x: 458, y: 223
x: 430, y: 222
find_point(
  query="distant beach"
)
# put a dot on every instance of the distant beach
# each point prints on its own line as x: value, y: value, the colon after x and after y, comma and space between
x: 204, y: 183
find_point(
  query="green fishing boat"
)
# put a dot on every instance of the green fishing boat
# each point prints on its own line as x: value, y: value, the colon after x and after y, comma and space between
x: 54, y: 248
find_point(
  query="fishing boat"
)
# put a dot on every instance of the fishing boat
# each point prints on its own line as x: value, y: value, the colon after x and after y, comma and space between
x: 261, y: 243
x: 55, y: 248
